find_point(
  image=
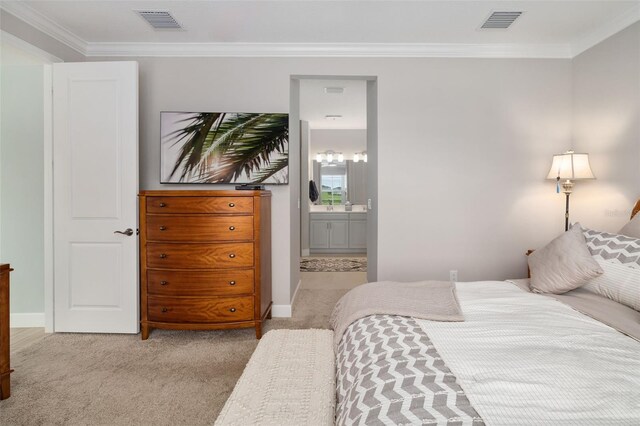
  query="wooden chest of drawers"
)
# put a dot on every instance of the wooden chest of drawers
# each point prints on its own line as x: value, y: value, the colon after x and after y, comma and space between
x: 205, y: 260
x: 5, y: 368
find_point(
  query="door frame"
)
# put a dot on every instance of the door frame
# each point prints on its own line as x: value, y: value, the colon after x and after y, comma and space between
x: 49, y: 284
x: 47, y: 167
x: 372, y: 169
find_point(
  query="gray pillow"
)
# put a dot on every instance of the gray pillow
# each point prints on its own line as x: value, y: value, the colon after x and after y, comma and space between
x: 564, y: 264
x: 632, y: 229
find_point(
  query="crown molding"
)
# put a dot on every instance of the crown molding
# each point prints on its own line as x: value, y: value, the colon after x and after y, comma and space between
x: 352, y: 50
x: 44, y: 24
x: 605, y: 31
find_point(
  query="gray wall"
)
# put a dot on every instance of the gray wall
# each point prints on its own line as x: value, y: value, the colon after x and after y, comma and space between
x: 606, y: 102
x: 464, y: 146
x: 450, y: 149
x: 22, y: 176
x: 294, y: 192
x: 305, y: 176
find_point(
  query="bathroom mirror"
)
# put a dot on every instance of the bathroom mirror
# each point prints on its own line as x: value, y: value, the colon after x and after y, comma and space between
x: 338, y: 183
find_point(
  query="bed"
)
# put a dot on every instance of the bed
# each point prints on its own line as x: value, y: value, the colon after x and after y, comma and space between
x: 518, y: 358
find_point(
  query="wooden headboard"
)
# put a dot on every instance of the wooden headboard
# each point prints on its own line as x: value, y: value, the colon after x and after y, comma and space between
x: 636, y: 209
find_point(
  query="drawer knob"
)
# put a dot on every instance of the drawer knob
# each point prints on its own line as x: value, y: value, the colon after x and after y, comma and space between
x: 163, y: 283
x: 163, y: 205
x: 164, y: 309
x: 232, y: 228
x: 163, y: 256
x: 163, y: 228
x: 232, y: 255
x: 232, y: 283
x: 232, y: 205
x: 232, y: 310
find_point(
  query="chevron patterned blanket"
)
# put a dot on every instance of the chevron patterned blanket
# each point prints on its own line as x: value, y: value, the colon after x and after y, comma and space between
x: 389, y: 373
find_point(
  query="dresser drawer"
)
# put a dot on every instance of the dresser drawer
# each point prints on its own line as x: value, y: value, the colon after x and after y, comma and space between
x: 199, y: 228
x: 199, y: 283
x: 196, y: 309
x: 199, y: 256
x: 194, y: 205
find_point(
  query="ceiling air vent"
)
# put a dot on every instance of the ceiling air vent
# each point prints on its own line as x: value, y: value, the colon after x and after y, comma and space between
x: 334, y: 90
x: 159, y: 19
x: 500, y: 20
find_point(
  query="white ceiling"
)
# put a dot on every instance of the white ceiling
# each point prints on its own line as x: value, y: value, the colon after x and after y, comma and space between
x: 315, y: 104
x: 99, y: 24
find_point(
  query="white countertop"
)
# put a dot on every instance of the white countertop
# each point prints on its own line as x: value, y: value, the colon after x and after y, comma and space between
x: 337, y: 209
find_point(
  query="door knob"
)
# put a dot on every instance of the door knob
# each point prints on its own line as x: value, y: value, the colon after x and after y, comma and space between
x: 232, y: 228
x: 232, y: 310
x: 232, y: 205
x: 232, y: 255
x: 163, y: 228
x: 128, y: 232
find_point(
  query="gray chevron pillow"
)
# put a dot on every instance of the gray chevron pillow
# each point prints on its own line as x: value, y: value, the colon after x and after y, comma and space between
x: 619, y: 257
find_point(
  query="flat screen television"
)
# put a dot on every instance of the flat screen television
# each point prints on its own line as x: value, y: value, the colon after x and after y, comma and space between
x: 224, y: 147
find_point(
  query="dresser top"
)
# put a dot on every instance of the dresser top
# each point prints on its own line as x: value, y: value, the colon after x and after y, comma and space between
x: 204, y: 193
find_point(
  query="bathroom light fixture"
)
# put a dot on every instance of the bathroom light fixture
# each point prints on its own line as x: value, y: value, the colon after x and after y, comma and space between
x: 333, y: 117
x: 360, y: 156
x: 328, y: 157
x: 569, y: 166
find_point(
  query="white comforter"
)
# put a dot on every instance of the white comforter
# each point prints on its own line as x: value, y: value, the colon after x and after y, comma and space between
x: 526, y: 359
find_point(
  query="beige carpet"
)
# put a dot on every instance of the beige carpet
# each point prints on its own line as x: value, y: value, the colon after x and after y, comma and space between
x: 174, y: 378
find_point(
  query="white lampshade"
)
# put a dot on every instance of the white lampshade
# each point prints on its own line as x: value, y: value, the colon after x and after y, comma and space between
x: 356, y: 157
x: 319, y: 158
x: 329, y: 157
x: 570, y: 166
x: 365, y: 158
x: 340, y: 158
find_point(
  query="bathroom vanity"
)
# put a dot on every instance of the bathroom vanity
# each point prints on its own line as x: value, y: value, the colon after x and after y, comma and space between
x: 337, y: 230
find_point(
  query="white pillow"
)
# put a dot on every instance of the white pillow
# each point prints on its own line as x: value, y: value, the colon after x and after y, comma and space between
x: 632, y: 229
x: 619, y: 257
x: 563, y: 265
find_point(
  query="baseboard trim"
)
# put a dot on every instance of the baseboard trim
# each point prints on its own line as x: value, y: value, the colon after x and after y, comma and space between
x: 27, y: 320
x: 281, y: 311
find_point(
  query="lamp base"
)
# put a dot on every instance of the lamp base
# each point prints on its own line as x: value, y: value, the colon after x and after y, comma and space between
x: 566, y: 211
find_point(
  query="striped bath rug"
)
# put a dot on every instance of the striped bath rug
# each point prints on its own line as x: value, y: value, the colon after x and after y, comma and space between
x: 333, y: 264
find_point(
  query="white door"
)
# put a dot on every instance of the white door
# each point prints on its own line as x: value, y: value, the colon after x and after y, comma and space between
x: 95, y: 185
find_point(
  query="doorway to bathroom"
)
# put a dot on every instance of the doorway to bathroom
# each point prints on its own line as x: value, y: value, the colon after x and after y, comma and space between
x: 335, y: 200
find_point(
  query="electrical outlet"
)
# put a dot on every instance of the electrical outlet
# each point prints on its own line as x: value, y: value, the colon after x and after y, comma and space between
x: 453, y: 275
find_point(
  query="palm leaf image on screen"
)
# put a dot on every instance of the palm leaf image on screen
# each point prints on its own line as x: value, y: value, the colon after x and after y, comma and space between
x: 211, y: 147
